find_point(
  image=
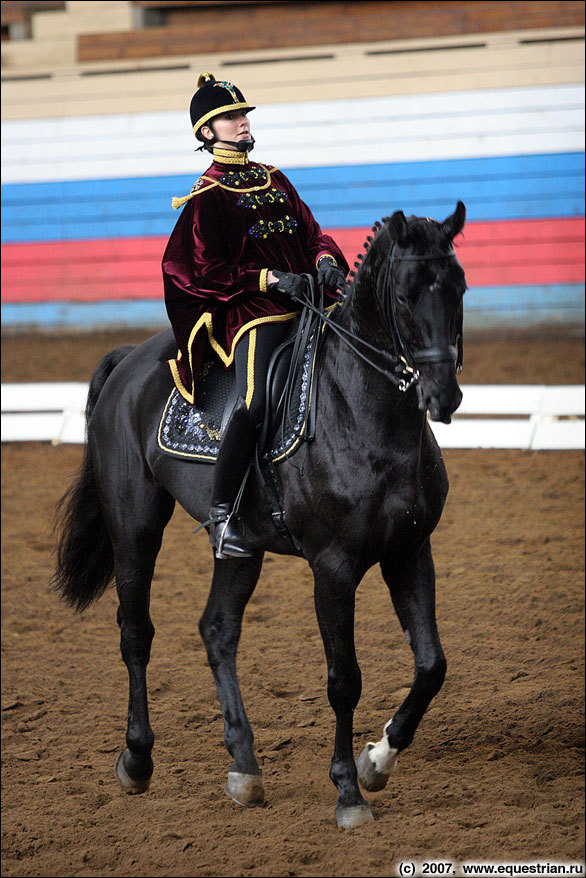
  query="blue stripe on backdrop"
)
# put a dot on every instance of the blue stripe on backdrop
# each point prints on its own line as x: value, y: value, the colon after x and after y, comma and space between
x: 346, y: 195
x: 85, y: 315
x: 495, y: 188
x: 485, y: 308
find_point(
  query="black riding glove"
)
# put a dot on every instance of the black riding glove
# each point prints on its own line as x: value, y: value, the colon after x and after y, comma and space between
x: 292, y: 285
x: 329, y: 274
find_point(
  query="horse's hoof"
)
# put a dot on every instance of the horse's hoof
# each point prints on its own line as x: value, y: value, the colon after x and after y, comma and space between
x: 131, y: 785
x: 349, y: 818
x: 245, y: 789
x: 374, y: 767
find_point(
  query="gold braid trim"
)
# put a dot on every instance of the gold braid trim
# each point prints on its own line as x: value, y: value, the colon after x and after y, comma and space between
x: 226, y: 358
x: 195, y: 190
x: 327, y: 256
x: 199, y: 187
x: 250, y: 367
x: 237, y: 105
x: 230, y: 156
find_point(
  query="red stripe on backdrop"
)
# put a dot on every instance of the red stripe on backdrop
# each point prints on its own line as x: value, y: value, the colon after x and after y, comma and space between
x: 508, y: 253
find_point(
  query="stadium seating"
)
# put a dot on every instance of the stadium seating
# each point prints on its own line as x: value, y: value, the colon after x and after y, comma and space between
x: 93, y: 151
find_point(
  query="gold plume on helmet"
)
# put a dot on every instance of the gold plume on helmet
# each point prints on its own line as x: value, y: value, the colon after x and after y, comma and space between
x: 204, y: 78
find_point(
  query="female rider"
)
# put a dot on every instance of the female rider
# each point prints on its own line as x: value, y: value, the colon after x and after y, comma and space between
x: 232, y: 263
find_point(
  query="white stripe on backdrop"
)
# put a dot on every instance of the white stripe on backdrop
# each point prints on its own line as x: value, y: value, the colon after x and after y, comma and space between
x: 535, y: 417
x: 425, y: 127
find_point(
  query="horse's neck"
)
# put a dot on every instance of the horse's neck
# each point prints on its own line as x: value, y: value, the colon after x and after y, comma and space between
x: 372, y: 399
x: 361, y: 314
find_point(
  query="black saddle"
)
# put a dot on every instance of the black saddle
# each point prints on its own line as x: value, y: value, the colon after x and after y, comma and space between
x: 194, y: 432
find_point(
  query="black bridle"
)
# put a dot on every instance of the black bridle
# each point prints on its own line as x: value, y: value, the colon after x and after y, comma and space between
x: 404, y: 373
x: 424, y: 356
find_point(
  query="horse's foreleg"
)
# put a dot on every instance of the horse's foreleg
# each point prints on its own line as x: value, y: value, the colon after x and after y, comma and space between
x: 334, y: 603
x: 412, y: 588
x: 233, y: 583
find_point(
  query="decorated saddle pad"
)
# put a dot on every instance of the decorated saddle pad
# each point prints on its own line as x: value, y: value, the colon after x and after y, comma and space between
x: 194, y: 432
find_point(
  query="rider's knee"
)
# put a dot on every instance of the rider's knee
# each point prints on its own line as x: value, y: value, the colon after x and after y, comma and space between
x: 256, y: 409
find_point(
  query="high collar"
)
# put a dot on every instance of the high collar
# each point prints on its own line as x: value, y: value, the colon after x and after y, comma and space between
x: 230, y: 157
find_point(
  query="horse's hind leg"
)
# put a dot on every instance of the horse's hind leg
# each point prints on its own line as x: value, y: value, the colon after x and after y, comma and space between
x: 335, y: 589
x: 137, y: 541
x: 412, y: 588
x: 233, y: 583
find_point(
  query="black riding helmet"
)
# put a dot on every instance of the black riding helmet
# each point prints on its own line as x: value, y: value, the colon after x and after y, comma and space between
x: 210, y: 100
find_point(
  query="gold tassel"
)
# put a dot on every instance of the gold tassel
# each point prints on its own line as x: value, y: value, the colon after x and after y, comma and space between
x: 179, y: 202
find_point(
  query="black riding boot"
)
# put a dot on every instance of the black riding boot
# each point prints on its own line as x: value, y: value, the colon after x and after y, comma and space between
x: 235, y: 453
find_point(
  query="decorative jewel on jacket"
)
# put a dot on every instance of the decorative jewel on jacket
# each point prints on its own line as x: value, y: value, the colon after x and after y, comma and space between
x: 254, y: 199
x: 264, y: 228
x: 236, y: 179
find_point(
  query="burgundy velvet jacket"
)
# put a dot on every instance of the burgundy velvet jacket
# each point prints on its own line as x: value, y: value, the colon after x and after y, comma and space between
x: 242, y: 220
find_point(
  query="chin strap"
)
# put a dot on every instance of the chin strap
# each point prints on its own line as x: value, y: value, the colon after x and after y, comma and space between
x: 240, y: 145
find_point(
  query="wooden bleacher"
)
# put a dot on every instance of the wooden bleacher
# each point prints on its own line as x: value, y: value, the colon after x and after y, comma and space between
x: 16, y: 15
x: 496, y: 60
x: 49, y: 40
x: 80, y: 33
x: 192, y: 28
x: 58, y: 90
x: 17, y: 11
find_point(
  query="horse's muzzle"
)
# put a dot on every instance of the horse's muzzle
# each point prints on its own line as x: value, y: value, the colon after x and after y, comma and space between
x: 441, y: 404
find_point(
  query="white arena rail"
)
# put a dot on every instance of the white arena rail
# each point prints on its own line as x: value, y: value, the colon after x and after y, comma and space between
x: 530, y: 416
x: 43, y: 412
x: 536, y: 417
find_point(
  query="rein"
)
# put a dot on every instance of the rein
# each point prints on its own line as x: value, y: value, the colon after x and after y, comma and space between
x: 408, y: 360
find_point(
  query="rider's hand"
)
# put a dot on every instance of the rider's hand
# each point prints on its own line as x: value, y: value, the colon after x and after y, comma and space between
x: 292, y: 285
x: 329, y: 274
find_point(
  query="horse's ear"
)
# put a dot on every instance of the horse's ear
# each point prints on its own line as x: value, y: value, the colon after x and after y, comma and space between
x: 455, y: 223
x: 397, y: 226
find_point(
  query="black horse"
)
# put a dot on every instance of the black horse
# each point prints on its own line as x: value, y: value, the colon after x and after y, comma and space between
x: 371, y: 490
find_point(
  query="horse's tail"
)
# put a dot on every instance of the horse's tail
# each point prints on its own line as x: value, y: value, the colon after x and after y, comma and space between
x: 84, y: 553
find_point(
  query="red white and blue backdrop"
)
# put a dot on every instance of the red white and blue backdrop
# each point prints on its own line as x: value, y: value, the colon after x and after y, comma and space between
x: 86, y: 201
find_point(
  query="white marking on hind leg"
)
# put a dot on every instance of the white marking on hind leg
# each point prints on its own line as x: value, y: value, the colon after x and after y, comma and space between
x: 382, y: 755
x: 376, y: 762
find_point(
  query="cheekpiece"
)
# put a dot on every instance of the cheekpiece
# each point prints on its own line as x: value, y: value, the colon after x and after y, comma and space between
x: 213, y: 98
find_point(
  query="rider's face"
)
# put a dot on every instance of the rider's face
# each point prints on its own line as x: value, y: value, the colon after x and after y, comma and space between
x: 229, y: 126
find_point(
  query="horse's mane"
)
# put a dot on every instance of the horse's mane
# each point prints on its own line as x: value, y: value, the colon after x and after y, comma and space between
x: 363, y: 264
x: 423, y: 235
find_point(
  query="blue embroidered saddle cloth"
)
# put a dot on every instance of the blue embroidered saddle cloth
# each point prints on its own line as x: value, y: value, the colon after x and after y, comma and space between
x: 194, y: 432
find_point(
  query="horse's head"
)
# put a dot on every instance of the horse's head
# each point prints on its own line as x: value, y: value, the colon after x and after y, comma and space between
x: 419, y: 288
